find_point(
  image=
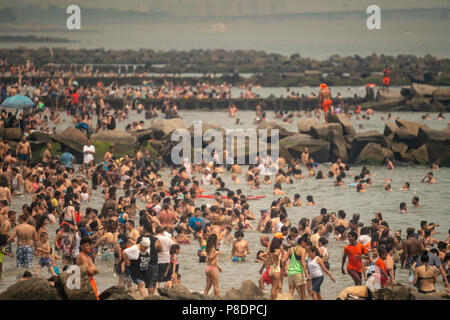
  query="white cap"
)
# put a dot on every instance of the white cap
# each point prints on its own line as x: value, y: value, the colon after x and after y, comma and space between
x: 145, y: 242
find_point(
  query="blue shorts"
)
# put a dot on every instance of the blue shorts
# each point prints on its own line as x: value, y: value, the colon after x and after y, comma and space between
x: 238, y: 259
x: 316, y: 283
x: 45, y: 262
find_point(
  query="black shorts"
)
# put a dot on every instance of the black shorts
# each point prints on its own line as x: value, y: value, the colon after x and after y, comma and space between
x: 162, y: 270
x: 152, y: 276
x: 341, y: 229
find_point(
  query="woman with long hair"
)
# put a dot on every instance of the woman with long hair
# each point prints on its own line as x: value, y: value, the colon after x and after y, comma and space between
x: 212, y: 277
x: 275, y: 254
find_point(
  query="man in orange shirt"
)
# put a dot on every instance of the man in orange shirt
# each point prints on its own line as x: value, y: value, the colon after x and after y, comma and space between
x: 355, y: 253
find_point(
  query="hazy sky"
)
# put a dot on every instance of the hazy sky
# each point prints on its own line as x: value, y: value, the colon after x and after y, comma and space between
x: 286, y: 5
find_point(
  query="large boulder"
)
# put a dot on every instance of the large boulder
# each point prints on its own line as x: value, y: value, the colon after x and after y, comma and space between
x: 389, y: 94
x: 423, y: 90
x: 144, y: 135
x: 374, y: 153
x: 72, y: 138
x: 85, y: 291
x: 407, y: 91
x: 282, y: 131
x: 398, y: 147
x: 304, y: 125
x: 437, y: 145
x: 419, y: 103
x: 323, y: 131
x: 397, y: 293
x: 206, y: 126
x: 427, y: 134
x: 11, y: 133
x: 319, y: 149
x: 250, y: 291
x: 442, y: 94
x: 390, y: 128
x: 354, y: 293
x: 115, y: 293
x: 338, y: 147
x: 408, y: 131
x: 32, y: 289
x: 247, y: 291
x: 410, y: 126
x: 180, y: 292
x: 360, y: 140
x: 114, y: 136
x: 344, y: 121
x: 164, y: 127
x: 385, y: 105
x: 420, y: 155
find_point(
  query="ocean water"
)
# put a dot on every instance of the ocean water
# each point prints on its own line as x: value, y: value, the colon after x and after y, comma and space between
x: 434, y: 199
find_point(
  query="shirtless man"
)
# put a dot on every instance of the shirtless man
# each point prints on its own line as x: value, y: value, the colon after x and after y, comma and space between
x: 109, y: 155
x: 47, y: 156
x: 6, y: 227
x: 411, y: 248
x: 26, y: 243
x: 5, y: 194
x: 305, y: 156
x: 325, y: 100
x: 430, y: 177
x: 167, y: 216
x: 240, y: 247
x: 84, y: 260
x: 132, y: 233
x: 263, y: 220
x: 23, y: 151
x: 43, y: 250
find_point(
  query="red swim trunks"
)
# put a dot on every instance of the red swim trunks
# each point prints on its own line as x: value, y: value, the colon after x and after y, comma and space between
x: 266, y: 277
x: 326, y: 104
x: 386, y: 81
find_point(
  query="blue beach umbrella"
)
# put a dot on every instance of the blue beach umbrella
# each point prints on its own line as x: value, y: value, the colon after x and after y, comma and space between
x: 17, y: 102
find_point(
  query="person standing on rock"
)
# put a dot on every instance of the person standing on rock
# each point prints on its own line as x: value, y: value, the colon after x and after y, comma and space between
x: 84, y: 260
x: 386, y: 78
x: 325, y: 100
x: 26, y: 243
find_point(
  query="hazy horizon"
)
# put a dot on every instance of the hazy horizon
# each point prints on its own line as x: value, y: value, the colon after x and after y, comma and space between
x: 314, y: 29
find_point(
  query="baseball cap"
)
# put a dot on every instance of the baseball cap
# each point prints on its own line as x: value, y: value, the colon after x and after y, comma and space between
x: 145, y: 242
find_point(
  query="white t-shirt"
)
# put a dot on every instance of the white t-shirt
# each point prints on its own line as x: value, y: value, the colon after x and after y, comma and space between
x: 166, y: 243
x: 278, y: 227
x: 364, y: 239
x: 88, y: 157
x: 206, y: 180
x: 133, y: 252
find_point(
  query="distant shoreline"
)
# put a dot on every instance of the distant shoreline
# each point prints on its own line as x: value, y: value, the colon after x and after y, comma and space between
x: 32, y: 38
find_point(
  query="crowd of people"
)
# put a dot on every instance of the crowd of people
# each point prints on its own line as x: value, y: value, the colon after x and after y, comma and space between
x: 144, y: 244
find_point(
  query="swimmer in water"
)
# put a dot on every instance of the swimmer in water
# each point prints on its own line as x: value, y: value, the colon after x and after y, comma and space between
x: 429, y: 178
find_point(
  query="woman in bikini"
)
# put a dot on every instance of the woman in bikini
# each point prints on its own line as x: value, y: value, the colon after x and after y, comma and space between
x: 212, y: 277
x: 274, y: 259
x: 425, y: 276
